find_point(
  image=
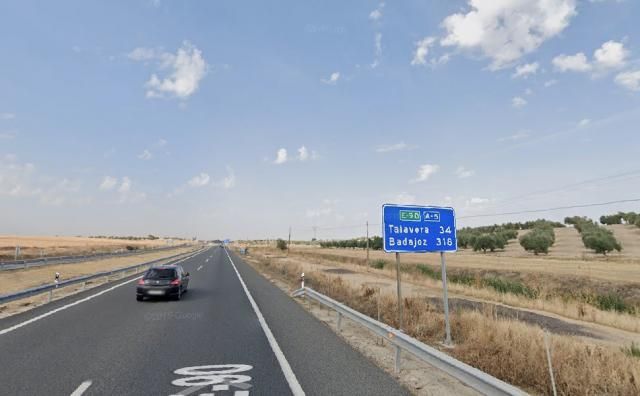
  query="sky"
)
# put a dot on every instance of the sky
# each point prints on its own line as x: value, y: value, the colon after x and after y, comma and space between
x: 240, y: 119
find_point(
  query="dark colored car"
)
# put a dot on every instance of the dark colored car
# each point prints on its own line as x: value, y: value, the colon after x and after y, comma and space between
x: 163, y: 281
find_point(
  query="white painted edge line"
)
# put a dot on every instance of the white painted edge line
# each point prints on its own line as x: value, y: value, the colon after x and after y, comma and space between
x: 296, y: 389
x: 62, y: 308
x: 82, y: 388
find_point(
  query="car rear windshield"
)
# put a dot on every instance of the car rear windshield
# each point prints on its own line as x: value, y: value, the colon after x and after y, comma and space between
x: 161, y: 273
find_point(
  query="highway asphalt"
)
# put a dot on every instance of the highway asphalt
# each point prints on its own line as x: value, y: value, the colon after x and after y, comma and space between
x: 214, y: 341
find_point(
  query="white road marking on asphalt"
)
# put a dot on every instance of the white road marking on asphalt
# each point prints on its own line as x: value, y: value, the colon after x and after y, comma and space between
x: 241, y: 393
x: 82, y: 388
x: 296, y: 389
x: 62, y: 308
x: 199, y: 268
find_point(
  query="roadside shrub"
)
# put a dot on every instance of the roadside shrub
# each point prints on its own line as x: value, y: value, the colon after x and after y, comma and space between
x: 485, y: 242
x: 378, y: 264
x: 538, y: 240
x: 509, y: 286
x: 633, y: 350
x: 281, y: 244
x: 428, y: 271
x: 130, y: 248
x: 612, y: 302
x: 462, y: 278
x: 612, y: 219
x: 601, y: 241
x: 594, y: 236
x: 375, y: 243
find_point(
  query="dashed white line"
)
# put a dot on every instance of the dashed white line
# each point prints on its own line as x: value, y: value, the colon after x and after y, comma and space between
x: 199, y: 268
x: 62, y: 308
x: 296, y: 389
x: 82, y: 388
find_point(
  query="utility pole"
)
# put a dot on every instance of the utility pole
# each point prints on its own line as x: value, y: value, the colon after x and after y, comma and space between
x: 315, y: 233
x: 367, y: 245
x: 289, y: 244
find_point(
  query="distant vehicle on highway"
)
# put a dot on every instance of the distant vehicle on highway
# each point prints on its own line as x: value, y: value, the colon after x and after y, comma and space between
x: 163, y: 281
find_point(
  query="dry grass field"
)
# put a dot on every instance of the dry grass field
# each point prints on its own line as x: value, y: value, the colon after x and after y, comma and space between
x: 33, y: 246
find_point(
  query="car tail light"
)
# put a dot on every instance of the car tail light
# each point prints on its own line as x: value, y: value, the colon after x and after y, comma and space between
x: 141, y: 281
x: 175, y: 282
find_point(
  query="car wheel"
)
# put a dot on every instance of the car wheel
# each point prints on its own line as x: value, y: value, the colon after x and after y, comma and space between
x: 139, y: 298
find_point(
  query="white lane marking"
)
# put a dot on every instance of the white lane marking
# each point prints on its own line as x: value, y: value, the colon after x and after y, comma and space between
x: 62, y: 308
x: 199, y: 268
x: 82, y: 388
x: 296, y: 389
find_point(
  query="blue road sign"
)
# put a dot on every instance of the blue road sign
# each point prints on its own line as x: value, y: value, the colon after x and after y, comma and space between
x: 413, y: 229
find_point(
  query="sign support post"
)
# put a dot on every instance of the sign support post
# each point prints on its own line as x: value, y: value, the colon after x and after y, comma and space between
x: 400, y: 324
x: 445, y: 301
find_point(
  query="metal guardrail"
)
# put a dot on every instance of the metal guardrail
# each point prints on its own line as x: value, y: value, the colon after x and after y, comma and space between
x: 83, y: 279
x: 470, y: 376
x: 42, y: 261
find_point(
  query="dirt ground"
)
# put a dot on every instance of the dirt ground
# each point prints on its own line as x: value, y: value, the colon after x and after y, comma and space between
x: 34, y: 246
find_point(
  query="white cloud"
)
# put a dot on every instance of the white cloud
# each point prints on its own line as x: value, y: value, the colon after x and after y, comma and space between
x: 333, y: 78
x: 7, y: 116
x: 327, y: 208
x: 477, y: 201
x: 125, y: 185
x: 520, y: 135
x: 506, y: 30
x: 550, y: 83
x: 584, y: 122
x: 400, y: 146
x: 611, y: 55
x: 528, y: 91
x: 422, y: 51
x: 127, y: 194
x: 576, y: 63
x: 7, y: 135
x: 424, y: 172
x: 525, y: 70
x: 281, y: 156
x: 229, y: 181
x: 145, y: 155
x: 314, y: 213
x: 200, y: 180
x: 405, y: 198
x: 185, y: 71
x: 378, y: 50
x: 376, y: 14
x: 143, y: 54
x: 61, y: 192
x: 303, y: 153
x: 161, y: 143
x: 518, y: 102
x: 108, y: 183
x: 629, y: 80
x: 463, y: 173
x: 16, y: 178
